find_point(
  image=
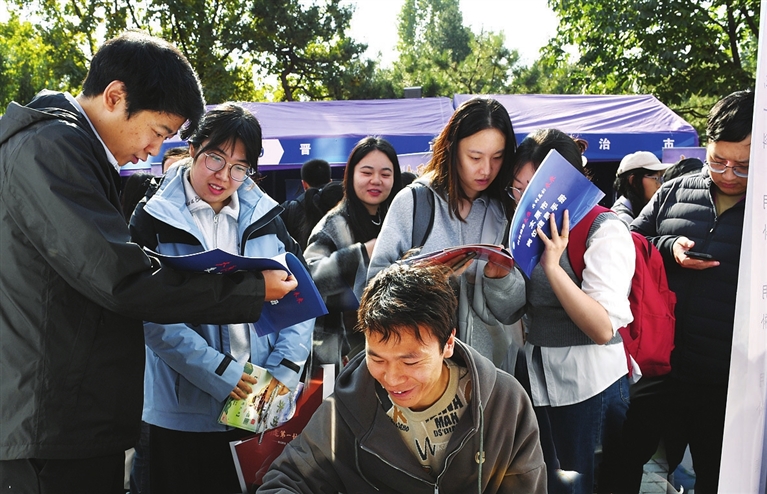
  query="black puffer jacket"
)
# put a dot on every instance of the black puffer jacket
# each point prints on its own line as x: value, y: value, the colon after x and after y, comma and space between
x: 705, y: 308
x: 74, y: 291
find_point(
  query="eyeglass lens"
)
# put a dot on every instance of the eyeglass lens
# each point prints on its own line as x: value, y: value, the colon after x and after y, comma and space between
x: 214, y: 163
x: 720, y: 167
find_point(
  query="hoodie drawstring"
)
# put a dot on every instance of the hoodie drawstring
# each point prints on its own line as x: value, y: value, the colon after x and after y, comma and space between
x: 481, y: 454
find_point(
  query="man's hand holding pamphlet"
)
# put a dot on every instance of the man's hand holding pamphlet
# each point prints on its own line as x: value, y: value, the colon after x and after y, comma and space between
x: 301, y: 304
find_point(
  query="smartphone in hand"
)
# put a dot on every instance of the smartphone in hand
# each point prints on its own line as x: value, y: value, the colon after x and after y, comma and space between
x: 699, y: 255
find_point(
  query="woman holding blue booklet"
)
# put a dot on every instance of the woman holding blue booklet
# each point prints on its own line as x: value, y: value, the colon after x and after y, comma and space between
x: 210, y: 201
x: 574, y: 357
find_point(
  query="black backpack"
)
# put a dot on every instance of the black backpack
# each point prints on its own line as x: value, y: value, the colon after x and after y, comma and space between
x: 423, y: 214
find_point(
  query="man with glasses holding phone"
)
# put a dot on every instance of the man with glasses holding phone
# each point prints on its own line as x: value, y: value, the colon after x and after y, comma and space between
x: 697, y: 223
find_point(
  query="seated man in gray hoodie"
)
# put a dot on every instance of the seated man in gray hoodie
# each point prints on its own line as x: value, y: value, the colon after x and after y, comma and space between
x: 419, y: 411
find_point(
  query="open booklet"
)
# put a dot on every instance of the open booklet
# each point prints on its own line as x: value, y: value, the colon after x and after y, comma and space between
x: 484, y: 252
x: 301, y: 304
x: 556, y: 186
x: 264, y: 408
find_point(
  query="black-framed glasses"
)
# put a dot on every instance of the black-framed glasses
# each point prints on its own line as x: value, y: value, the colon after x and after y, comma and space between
x: 658, y: 178
x: 215, y: 162
x: 721, y: 166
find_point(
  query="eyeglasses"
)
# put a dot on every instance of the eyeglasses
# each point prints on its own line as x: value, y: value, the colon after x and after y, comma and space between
x: 238, y: 173
x: 514, y: 192
x: 657, y: 178
x: 721, y: 166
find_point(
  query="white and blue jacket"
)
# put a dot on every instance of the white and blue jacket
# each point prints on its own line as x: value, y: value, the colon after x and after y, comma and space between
x: 189, y: 369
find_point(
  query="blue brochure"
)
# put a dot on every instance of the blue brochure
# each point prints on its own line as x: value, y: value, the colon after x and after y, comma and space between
x: 556, y: 186
x: 301, y: 304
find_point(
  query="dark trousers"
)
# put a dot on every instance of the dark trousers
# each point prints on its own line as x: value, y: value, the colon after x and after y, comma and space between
x: 679, y: 414
x: 647, y: 423
x: 139, y: 474
x: 570, y: 434
x: 698, y: 421
x: 192, y: 462
x: 578, y: 429
x: 99, y: 475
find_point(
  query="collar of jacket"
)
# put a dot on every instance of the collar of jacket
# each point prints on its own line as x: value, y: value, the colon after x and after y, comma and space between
x: 356, y: 388
x: 168, y: 204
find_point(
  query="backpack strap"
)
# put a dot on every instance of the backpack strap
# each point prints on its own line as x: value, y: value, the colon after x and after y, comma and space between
x: 423, y: 213
x: 579, y: 235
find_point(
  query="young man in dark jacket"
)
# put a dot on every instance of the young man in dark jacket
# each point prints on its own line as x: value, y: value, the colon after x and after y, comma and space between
x: 701, y: 213
x: 306, y: 210
x: 73, y: 289
x: 419, y: 411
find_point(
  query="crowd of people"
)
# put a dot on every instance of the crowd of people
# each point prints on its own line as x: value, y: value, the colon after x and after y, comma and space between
x: 467, y: 377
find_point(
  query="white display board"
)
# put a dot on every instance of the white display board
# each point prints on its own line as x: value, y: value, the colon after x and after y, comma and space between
x: 744, y: 457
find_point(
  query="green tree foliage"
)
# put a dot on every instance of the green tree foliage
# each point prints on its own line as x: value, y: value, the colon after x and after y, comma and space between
x: 440, y: 54
x: 298, y: 45
x: 306, y: 48
x: 674, y: 49
x: 31, y: 60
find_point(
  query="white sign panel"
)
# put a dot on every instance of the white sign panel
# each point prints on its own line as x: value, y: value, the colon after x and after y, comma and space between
x: 271, y: 152
x: 744, y: 464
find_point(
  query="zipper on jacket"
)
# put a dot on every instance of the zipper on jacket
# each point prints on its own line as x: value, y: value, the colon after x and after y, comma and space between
x: 215, y: 230
x: 258, y: 224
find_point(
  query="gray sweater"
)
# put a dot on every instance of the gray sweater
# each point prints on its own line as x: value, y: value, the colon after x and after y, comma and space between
x: 477, y: 324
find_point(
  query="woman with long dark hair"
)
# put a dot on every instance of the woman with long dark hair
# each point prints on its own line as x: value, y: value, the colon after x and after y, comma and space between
x: 340, y: 245
x: 470, y: 167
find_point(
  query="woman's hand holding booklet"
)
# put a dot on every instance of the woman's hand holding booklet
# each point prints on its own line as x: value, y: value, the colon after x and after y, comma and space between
x: 499, y: 260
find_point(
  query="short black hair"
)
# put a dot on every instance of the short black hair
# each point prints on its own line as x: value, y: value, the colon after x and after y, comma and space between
x: 409, y: 297
x: 408, y: 178
x: 731, y: 118
x: 177, y: 152
x: 682, y: 167
x: 315, y: 172
x: 222, y: 126
x: 156, y: 75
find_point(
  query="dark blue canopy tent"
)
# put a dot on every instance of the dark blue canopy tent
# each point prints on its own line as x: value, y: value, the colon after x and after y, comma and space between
x: 295, y: 132
x: 613, y: 125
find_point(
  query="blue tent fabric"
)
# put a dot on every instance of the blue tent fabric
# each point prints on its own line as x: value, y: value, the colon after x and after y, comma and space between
x: 613, y: 125
x: 297, y: 131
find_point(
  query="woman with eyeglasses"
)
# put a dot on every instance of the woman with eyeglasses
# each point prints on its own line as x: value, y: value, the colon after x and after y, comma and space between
x: 574, y: 363
x: 470, y: 167
x: 639, y: 175
x: 210, y: 201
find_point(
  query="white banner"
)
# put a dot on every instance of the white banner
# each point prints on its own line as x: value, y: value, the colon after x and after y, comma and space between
x: 744, y: 458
